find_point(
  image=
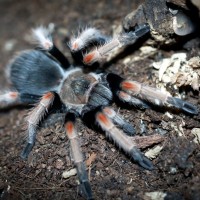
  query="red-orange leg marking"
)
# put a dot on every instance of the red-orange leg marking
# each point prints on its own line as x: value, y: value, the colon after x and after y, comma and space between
x: 104, y: 120
x: 130, y: 85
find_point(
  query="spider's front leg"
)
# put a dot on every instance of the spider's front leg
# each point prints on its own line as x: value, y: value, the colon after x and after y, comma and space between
x: 77, y: 154
x: 128, y: 90
x: 34, y: 119
x: 124, y: 39
x: 121, y: 139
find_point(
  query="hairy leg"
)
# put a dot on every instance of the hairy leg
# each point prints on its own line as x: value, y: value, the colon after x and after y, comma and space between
x: 118, y: 120
x: 9, y: 98
x: 77, y: 154
x: 87, y: 37
x: 121, y: 40
x: 122, y: 140
x: 133, y: 89
x: 42, y: 37
x: 34, y: 119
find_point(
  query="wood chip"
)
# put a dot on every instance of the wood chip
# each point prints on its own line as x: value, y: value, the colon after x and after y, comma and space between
x: 68, y: 174
x: 154, y: 152
x: 91, y: 159
x: 196, y: 132
x: 146, y: 141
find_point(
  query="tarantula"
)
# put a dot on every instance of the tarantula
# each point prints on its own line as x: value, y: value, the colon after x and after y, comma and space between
x: 45, y: 75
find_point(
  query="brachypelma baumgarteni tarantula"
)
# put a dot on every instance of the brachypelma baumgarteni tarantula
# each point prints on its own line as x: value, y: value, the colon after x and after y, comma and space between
x: 46, y: 74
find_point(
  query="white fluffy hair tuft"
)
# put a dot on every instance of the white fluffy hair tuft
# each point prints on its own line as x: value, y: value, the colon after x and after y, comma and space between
x: 42, y: 37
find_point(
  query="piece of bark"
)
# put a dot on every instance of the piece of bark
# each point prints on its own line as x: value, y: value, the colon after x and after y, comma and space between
x: 179, y: 3
x: 196, y: 3
x: 161, y: 20
x: 147, y: 141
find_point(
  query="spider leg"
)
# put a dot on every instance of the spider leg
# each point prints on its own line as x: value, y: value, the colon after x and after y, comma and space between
x: 117, y: 119
x: 9, y: 99
x: 34, y: 119
x: 121, y: 40
x: 124, y: 97
x: 85, y: 38
x: 149, y: 94
x: 122, y: 140
x: 14, y: 98
x: 42, y: 37
x: 77, y: 154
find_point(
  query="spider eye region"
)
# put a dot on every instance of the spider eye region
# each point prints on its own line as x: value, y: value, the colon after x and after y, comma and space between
x: 80, y: 86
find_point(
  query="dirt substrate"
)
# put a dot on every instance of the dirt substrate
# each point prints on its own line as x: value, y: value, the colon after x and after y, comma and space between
x: 112, y: 174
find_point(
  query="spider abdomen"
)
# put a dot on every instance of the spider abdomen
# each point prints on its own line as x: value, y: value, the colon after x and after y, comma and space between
x: 33, y: 72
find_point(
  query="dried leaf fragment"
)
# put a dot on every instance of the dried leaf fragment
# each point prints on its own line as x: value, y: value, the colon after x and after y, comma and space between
x: 178, y: 71
x: 91, y: 159
x: 155, y: 195
x: 68, y: 174
x: 196, y: 133
x: 146, y: 141
x: 153, y: 153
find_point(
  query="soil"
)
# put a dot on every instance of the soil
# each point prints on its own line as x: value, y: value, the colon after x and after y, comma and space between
x: 112, y: 174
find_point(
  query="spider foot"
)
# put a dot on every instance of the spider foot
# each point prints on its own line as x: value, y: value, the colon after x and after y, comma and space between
x: 77, y: 155
x: 26, y: 151
x: 87, y: 190
x: 139, y: 158
x: 130, y: 37
x: 83, y: 178
x: 182, y: 105
x: 142, y: 29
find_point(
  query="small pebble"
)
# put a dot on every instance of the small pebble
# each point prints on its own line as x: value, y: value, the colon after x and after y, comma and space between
x: 59, y: 164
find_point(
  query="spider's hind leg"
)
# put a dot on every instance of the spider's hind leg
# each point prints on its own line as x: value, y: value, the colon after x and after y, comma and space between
x: 133, y: 89
x: 77, y: 154
x: 118, y: 120
x: 122, y: 140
